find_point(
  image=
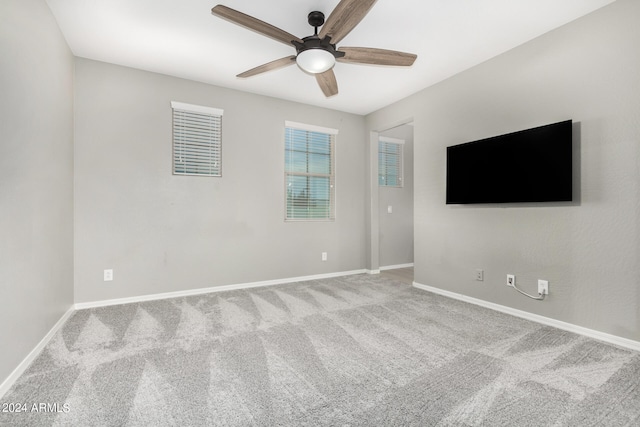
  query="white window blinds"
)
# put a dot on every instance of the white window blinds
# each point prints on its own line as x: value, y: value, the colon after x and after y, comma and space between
x: 197, y: 140
x: 390, y: 152
x: 309, y: 172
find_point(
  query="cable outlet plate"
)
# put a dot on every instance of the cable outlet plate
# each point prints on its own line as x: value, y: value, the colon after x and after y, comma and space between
x: 543, y: 287
x: 511, y: 280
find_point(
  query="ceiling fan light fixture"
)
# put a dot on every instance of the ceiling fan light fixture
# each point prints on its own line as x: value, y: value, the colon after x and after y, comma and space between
x: 315, y: 61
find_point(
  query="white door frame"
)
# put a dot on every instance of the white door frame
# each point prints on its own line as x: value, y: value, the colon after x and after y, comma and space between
x: 373, y: 264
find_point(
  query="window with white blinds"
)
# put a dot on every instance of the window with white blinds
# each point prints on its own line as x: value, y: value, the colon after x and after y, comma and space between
x: 309, y: 172
x: 390, y: 151
x: 197, y: 140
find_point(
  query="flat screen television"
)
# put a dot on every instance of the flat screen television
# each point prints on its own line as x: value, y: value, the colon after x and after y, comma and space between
x: 533, y: 165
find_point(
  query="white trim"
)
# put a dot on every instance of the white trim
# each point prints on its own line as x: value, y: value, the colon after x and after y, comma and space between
x: 19, y: 370
x: 178, y: 294
x: 310, y: 128
x: 602, y: 336
x: 391, y: 140
x: 394, y: 124
x: 196, y: 108
x: 393, y: 267
x: 373, y: 271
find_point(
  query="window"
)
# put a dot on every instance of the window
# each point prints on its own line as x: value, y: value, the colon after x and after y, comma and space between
x: 390, y: 151
x: 309, y: 172
x: 197, y: 140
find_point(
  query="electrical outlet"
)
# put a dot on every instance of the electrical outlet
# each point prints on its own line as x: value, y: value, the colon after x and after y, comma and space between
x: 543, y: 287
x: 324, y: 256
x: 511, y: 280
x: 479, y: 275
x: 108, y: 275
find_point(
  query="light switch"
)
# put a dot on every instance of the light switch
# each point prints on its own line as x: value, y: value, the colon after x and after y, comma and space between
x: 389, y: 209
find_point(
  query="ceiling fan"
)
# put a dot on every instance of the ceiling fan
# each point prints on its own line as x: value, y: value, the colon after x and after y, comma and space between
x: 317, y: 54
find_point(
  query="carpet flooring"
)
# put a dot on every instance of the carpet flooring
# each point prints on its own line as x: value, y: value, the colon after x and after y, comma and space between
x: 359, y: 350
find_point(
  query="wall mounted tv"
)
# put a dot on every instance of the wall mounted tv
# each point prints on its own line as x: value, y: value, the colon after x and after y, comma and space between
x: 533, y: 165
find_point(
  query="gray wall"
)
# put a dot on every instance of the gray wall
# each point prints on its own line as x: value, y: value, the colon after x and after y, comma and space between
x: 396, y: 228
x: 36, y: 181
x: 161, y: 232
x: 586, y: 71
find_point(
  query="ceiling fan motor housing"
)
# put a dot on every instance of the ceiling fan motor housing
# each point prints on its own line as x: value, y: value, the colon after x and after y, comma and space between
x: 314, y: 42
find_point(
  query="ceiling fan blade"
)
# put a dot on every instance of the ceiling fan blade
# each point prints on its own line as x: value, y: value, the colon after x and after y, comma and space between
x: 344, y: 18
x: 367, y: 55
x: 273, y: 65
x: 254, y: 24
x: 328, y: 83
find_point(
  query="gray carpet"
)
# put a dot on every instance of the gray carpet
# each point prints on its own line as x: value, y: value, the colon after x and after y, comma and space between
x: 352, y: 351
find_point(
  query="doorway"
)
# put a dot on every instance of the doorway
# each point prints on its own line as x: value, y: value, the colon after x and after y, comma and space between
x: 395, y: 191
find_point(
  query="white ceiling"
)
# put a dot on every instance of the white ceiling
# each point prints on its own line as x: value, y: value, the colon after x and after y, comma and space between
x: 182, y: 38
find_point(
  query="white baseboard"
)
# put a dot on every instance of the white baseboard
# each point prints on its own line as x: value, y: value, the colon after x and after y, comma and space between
x: 591, y: 333
x: 177, y: 294
x: 372, y: 271
x: 393, y: 267
x: 19, y: 370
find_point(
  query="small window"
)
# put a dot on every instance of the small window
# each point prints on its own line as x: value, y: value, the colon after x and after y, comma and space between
x: 197, y: 140
x: 390, y: 151
x: 309, y: 172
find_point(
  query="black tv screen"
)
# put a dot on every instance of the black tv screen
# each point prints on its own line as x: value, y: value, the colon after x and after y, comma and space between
x: 533, y: 165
